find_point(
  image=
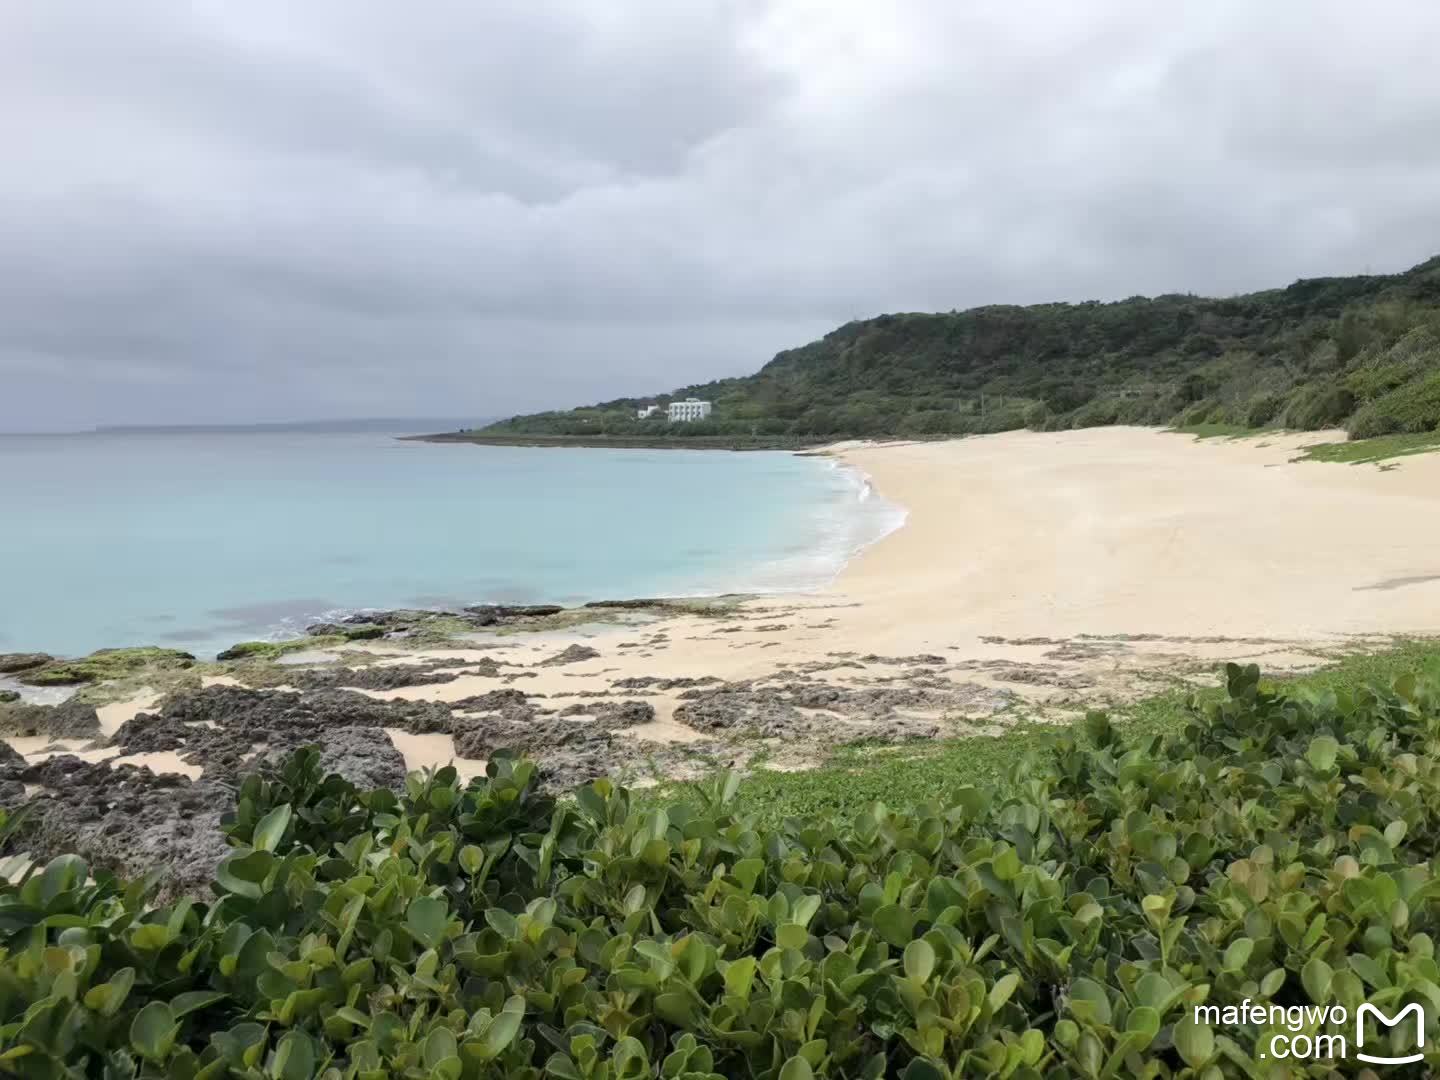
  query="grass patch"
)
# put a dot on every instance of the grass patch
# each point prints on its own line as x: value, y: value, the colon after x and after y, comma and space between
x: 859, y: 774
x: 1369, y: 451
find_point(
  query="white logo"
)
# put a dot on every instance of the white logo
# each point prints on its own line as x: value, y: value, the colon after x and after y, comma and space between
x: 1389, y: 1021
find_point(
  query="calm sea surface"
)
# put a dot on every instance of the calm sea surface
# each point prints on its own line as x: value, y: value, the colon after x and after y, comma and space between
x: 201, y: 540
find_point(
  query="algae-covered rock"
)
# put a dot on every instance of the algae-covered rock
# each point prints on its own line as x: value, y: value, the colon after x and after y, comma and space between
x: 12, y: 662
x: 7, y: 696
x: 273, y: 650
x: 362, y: 632
x: 104, y: 664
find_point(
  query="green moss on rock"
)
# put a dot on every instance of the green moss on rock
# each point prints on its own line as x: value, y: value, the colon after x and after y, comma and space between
x: 105, y: 664
x: 271, y: 650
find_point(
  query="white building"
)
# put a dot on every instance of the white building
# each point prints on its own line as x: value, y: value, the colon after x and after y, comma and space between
x: 647, y: 411
x: 687, y: 410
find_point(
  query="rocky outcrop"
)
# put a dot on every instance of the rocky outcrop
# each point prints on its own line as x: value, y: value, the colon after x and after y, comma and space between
x: 365, y: 756
x: 292, y: 716
x: 148, y: 733
x: 125, y: 819
x: 789, y: 710
x: 571, y: 654
x: 12, y: 662
x: 406, y: 621
x: 387, y: 677
x: 68, y: 720
x: 653, y: 682
x: 498, y: 613
x: 220, y: 727
x: 569, y: 751
x: 614, y: 714
x: 492, y: 701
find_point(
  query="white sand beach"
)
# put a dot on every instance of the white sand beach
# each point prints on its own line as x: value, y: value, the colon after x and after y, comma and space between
x: 1133, y: 530
x: 1071, y: 569
x: 1085, y: 561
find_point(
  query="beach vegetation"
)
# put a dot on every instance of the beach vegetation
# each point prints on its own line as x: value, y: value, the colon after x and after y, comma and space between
x: 1362, y: 353
x: 856, y: 774
x: 1371, y: 451
x: 1274, y: 847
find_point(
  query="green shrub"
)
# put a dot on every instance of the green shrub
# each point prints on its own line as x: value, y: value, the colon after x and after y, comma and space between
x: 1413, y: 407
x: 1317, y: 406
x: 1096, y: 413
x: 1370, y: 422
x: 1280, y: 851
x: 1262, y: 409
x: 1375, y: 380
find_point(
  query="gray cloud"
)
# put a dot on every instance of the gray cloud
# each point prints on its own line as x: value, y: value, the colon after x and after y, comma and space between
x: 226, y: 211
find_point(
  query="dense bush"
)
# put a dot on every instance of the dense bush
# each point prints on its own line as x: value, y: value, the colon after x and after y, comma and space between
x: 1306, y: 356
x: 1413, y: 407
x: 1318, y: 405
x: 1261, y: 410
x: 1282, y: 850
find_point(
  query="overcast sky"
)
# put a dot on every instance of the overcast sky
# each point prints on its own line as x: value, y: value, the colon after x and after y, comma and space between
x: 261, y: 210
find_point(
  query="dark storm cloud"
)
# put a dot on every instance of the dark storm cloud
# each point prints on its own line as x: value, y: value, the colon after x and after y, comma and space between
x: 224, y: 211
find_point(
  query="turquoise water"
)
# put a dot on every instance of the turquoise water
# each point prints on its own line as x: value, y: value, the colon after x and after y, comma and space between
x: 200, y: 540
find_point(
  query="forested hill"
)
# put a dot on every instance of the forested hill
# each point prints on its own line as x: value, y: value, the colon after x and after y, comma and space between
x: 1358, y: 352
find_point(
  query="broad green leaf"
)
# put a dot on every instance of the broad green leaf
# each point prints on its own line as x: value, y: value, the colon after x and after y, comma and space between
x: 504, y: 1027
x: 919, y: 960
x: 1322, y: 753
x: 153, y: 1031
x: 107, y: 998
x: 427, y: 919
x: 791, y: 936
x: 1316, y: 976
x: 294, y: 1057
x: 1195, y: 1041
x: 1001, y: 991
x: 271, y: 828
x: 195, y: 1000
x: 1089, y: 1001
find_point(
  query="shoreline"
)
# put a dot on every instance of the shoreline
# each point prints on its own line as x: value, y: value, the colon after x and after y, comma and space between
x: 625, y: 442
x: 1036, y: 576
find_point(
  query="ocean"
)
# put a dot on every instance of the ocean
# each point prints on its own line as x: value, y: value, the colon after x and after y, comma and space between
x: 200, y: 540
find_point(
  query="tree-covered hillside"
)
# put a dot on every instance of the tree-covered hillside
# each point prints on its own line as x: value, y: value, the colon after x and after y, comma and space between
x: 1358, y: 352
